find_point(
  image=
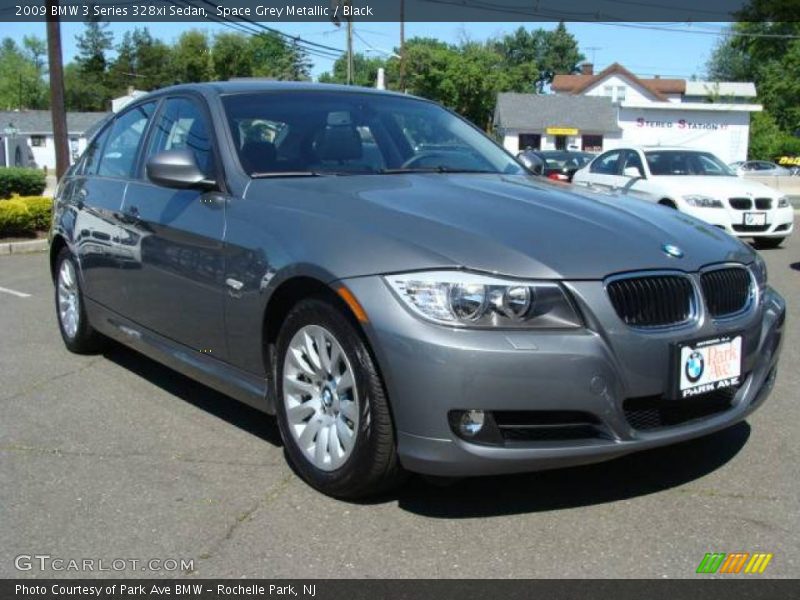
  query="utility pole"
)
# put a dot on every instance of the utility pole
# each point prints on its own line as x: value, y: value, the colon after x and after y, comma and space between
x: 350, y: 50
x: 57, y: 108
x: 402, y: 46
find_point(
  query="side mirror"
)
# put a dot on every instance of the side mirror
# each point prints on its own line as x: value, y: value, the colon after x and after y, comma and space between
x: 632, y: 172
x: 177, y: 169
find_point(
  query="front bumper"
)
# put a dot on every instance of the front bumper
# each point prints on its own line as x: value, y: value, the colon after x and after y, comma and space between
x: 431, y: 370
x: 779, y: 221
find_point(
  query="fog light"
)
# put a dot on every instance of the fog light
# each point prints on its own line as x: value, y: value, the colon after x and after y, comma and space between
x: 471, y: 422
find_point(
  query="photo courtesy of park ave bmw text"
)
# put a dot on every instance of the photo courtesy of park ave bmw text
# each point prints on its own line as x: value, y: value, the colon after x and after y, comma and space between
x: 341, y: 299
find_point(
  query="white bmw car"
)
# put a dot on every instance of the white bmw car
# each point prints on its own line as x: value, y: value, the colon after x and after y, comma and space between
x: 697, y: 183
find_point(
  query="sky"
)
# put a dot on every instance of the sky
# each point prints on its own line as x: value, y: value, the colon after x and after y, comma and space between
x: 677, y: 50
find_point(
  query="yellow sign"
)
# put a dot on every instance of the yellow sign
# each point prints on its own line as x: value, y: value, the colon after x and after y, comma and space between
x: 561, y: 131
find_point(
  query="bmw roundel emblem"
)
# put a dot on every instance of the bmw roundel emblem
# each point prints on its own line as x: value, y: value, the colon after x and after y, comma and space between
x: 694, y: 367
x: 672, y: 250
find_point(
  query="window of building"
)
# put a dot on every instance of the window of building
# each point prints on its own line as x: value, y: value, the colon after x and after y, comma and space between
x: 37, y: 141
x: 621, y: 90
x: 608, y: 90
x: 592, y: 143
x: 532, y: 141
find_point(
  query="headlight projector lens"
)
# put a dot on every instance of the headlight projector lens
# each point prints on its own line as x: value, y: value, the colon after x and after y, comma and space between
x: 516, y: 302
x: 468, y: 301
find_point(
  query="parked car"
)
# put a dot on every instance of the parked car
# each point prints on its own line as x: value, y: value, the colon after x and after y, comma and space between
x: 696, y: 183
x: 759, y: 168
x: 434, y: 311
x: 558, y: 165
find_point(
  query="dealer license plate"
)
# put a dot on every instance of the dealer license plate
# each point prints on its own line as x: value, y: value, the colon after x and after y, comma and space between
x: 708, y: 365
x: 751, y: 218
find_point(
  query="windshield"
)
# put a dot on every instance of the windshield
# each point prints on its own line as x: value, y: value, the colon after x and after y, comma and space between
x: 296, y: 133
x: 680, y: 162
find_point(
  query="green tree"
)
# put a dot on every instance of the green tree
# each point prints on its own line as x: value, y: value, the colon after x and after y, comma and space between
x: 152, y: 61
x: 535, y: 57
x: 192, y: 57
x: 365, y: 70
x: 88, y: 85
x: 21, y: 76
x: 277, y: 58
x: 122, y: 72
x: 231, y: 56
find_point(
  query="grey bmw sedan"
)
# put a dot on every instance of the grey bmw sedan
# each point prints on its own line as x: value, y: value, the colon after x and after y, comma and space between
x: 397, y: 290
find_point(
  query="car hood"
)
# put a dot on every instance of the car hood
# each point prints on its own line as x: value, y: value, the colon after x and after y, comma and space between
x: 500, y: 224
x: 716, y: 187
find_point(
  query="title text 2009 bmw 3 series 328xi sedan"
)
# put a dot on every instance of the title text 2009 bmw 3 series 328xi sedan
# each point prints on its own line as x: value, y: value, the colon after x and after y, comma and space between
x: 389, y: 283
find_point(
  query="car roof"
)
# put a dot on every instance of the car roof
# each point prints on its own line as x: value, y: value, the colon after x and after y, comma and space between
x: 655, y: 147
x: 254, y: 85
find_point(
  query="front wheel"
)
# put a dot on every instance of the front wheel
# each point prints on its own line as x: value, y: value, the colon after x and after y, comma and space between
x: 766, y: 243
x: 76, y: 331
x: 332, y: 410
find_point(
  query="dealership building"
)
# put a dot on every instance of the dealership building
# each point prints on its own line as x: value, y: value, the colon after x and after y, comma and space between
x: 598, y: 112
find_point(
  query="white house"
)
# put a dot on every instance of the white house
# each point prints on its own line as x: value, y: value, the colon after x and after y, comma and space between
x: 34, y: 129
x: 713, y: 116
x: 26, y: 136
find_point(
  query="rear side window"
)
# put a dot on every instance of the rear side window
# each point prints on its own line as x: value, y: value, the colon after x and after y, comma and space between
x: 182, y: 125
x: 91, y: 158
x: 119, y: 153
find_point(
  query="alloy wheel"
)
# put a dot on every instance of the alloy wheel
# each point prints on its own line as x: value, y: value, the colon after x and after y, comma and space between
x: 320, y: 397
x: 68, y: 299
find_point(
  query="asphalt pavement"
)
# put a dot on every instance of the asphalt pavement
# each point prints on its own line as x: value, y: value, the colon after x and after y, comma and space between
x: 116, y: 457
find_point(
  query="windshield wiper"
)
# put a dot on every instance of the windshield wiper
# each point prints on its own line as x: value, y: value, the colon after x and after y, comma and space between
x: 271, y: 174
x: 437, y: 169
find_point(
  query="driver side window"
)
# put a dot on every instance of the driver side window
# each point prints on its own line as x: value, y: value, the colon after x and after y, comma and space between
x: 182, y: 125
x: 607, y: 164
x: 632, y: 160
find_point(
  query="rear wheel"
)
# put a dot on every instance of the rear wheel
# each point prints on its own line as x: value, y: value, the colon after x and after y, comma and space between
x: 76, y: 331
x: 767, y: 242
x: 332, y: 409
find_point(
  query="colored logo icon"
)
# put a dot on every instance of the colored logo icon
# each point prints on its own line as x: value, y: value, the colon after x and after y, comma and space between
x: 694, y: 367
x: 734, y: 563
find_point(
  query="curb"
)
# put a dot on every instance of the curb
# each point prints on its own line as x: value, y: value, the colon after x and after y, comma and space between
x: 24, y: 247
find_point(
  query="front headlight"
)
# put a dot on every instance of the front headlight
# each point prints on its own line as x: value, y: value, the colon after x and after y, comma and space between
x: 702, y: 201
x: 783, y: 202
x: 759, y: 268
x: 463, y: 299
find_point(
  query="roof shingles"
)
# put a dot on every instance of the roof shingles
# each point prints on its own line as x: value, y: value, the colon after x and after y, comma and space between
x: 590, y: 114
x: 40, y: 122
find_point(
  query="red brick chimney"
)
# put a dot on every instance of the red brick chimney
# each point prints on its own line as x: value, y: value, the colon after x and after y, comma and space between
x: 587, y: 68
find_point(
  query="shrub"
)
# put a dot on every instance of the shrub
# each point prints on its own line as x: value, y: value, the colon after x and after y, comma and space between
x: 25, y: 182
x: 25, y: 215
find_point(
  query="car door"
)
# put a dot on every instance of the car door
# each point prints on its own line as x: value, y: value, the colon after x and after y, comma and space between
x: 603, y: 173
x: 97, y: 194
x: 176, y: 236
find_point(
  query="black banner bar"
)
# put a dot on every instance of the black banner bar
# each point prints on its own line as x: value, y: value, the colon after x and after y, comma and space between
x: 276, y: 11
x: 747, y: 587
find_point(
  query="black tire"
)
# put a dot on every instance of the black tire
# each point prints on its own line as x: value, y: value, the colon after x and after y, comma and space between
x: 767, y: 243
x: 86, y: 339
x: 372, y: 466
